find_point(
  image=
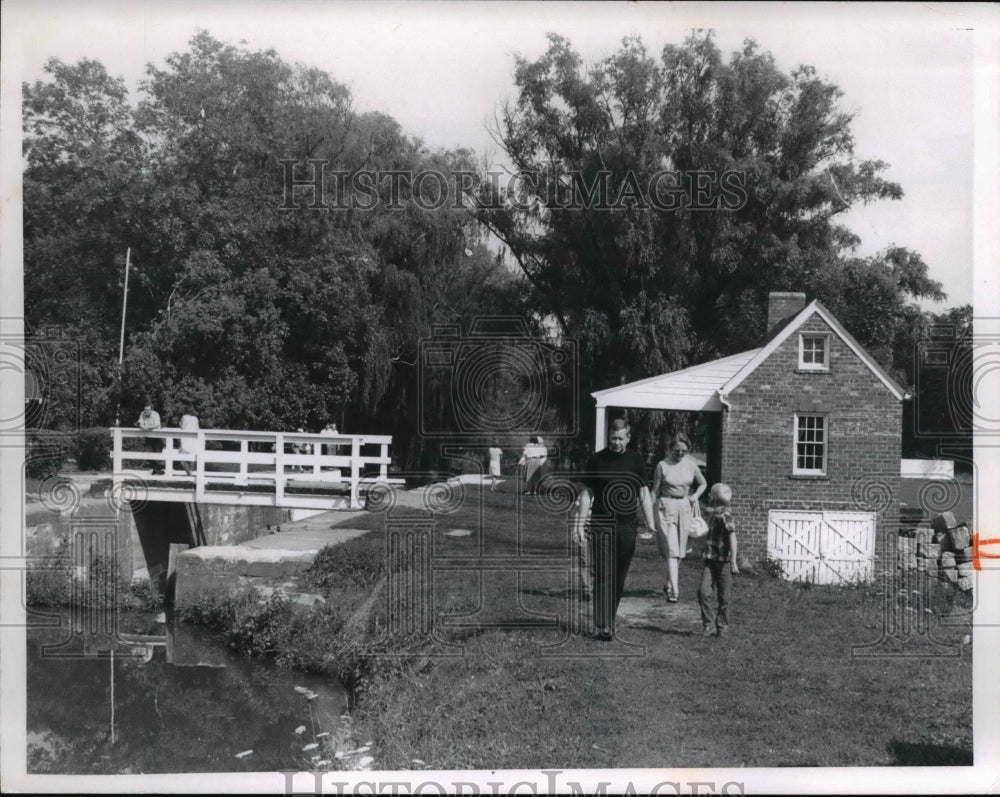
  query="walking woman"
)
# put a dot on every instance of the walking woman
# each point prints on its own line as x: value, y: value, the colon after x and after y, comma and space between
x: 673, y: 501
x: 495, y: 453
x: 533, y: 460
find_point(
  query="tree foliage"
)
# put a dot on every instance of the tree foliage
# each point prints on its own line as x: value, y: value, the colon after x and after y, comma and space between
x: 722, y: 181
x: 250, y: 313
x: 707, y: 183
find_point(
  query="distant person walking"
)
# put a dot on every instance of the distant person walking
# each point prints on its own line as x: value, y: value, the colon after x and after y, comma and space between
x: 149, y: 420
x: 495, y: 453
x: 672, y: 481
x: 615, y: 490
x: 532, y: 459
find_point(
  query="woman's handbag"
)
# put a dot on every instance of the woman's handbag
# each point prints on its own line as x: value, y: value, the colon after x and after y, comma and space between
x: 699, y: 527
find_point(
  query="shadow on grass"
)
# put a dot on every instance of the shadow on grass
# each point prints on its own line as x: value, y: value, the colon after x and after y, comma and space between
x: 929, y: 754
x: 659, y: 630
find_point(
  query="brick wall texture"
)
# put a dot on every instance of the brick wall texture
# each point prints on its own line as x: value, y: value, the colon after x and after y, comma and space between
x: 864, y: 422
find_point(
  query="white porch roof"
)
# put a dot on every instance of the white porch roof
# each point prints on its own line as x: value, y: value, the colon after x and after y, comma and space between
x: 695, y: 388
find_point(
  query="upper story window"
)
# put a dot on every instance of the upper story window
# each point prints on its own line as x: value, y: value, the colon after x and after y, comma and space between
x: 810, y: 445
x: 814, y: 352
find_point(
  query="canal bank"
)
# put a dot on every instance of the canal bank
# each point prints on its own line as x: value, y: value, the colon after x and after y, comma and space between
x: 248, y: 606
x: 248, y: 683
x: 160, y: 696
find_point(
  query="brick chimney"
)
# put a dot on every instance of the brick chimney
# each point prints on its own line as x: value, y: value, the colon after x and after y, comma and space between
x: 781, y: 307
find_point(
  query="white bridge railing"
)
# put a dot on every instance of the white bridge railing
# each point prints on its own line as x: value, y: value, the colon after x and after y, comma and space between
x: 216, y: 462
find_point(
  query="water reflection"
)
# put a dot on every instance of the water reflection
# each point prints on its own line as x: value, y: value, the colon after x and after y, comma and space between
x: 147, y: 695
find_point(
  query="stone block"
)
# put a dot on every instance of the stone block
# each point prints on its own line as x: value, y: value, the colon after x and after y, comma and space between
x: 931, y: 566
x: 966, y: 569
x: 906, y: 545
x: 944, y: 521
x: 233, y: 568
x: 949, y: 574
x: 961, y: 537
x: 965, y: 555
x: 923, y: 537
x: 948, y: 559
x: 965, y: 583
x: 943, y: 539
x: 929, y: 551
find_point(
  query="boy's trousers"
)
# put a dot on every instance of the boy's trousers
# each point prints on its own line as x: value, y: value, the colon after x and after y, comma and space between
x: 716, y: 577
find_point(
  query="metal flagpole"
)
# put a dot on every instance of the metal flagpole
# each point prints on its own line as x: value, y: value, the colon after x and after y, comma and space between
x: 112, y: 694
x: 121, y: 342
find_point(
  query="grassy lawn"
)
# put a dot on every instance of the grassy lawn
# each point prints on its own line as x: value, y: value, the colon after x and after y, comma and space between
x: 782, y: 689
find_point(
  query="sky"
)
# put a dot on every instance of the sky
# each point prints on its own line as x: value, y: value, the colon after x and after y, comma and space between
x: 441, y: 69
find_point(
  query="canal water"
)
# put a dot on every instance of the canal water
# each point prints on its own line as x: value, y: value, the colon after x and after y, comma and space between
x: 141, y: 694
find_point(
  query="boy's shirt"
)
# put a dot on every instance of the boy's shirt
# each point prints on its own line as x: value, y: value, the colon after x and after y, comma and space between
x: 717, y: 547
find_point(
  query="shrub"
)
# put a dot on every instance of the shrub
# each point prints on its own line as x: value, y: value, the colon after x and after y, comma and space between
x: 43, y: 457
x: 48, y: 586
x: 105, y: 587
x: 145, y: 595
x: 92, y: 448
x: 264, y: 629
x: 771, y: 567
x: 213, y: 609
x: 294, y: 636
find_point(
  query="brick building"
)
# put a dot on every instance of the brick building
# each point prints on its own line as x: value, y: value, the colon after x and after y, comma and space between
x: 805, y: 429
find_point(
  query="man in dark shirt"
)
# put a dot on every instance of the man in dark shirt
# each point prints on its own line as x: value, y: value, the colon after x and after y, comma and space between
x: 149, y: 420
x: 615, y: 482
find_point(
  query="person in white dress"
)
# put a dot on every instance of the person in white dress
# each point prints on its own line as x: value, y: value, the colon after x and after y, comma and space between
x: 673, y: 500
x: 532, y: 459
x: 495, y: 453
x: 189, y: 446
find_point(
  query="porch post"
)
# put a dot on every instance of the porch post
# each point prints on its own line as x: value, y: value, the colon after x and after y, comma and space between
x: 713, y: 447
x: 600, y: 427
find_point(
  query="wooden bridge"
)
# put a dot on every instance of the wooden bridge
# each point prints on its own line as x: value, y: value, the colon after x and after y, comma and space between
x: 224, y: 466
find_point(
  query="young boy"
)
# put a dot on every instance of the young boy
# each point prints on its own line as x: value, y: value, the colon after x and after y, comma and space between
x: 720, y: 563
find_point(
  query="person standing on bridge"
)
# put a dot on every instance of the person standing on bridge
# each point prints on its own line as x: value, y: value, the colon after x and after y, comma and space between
x: 189, y: 446
x: 330, y: 430
x: 149, y: 420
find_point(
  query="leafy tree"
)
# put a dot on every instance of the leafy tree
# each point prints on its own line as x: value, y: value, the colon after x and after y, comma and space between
x: 661, y: 200
x: 82, y: 181
x: 252, y: 313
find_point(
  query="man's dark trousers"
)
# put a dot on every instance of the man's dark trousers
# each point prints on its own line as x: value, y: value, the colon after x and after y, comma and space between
x: 613, y: 545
